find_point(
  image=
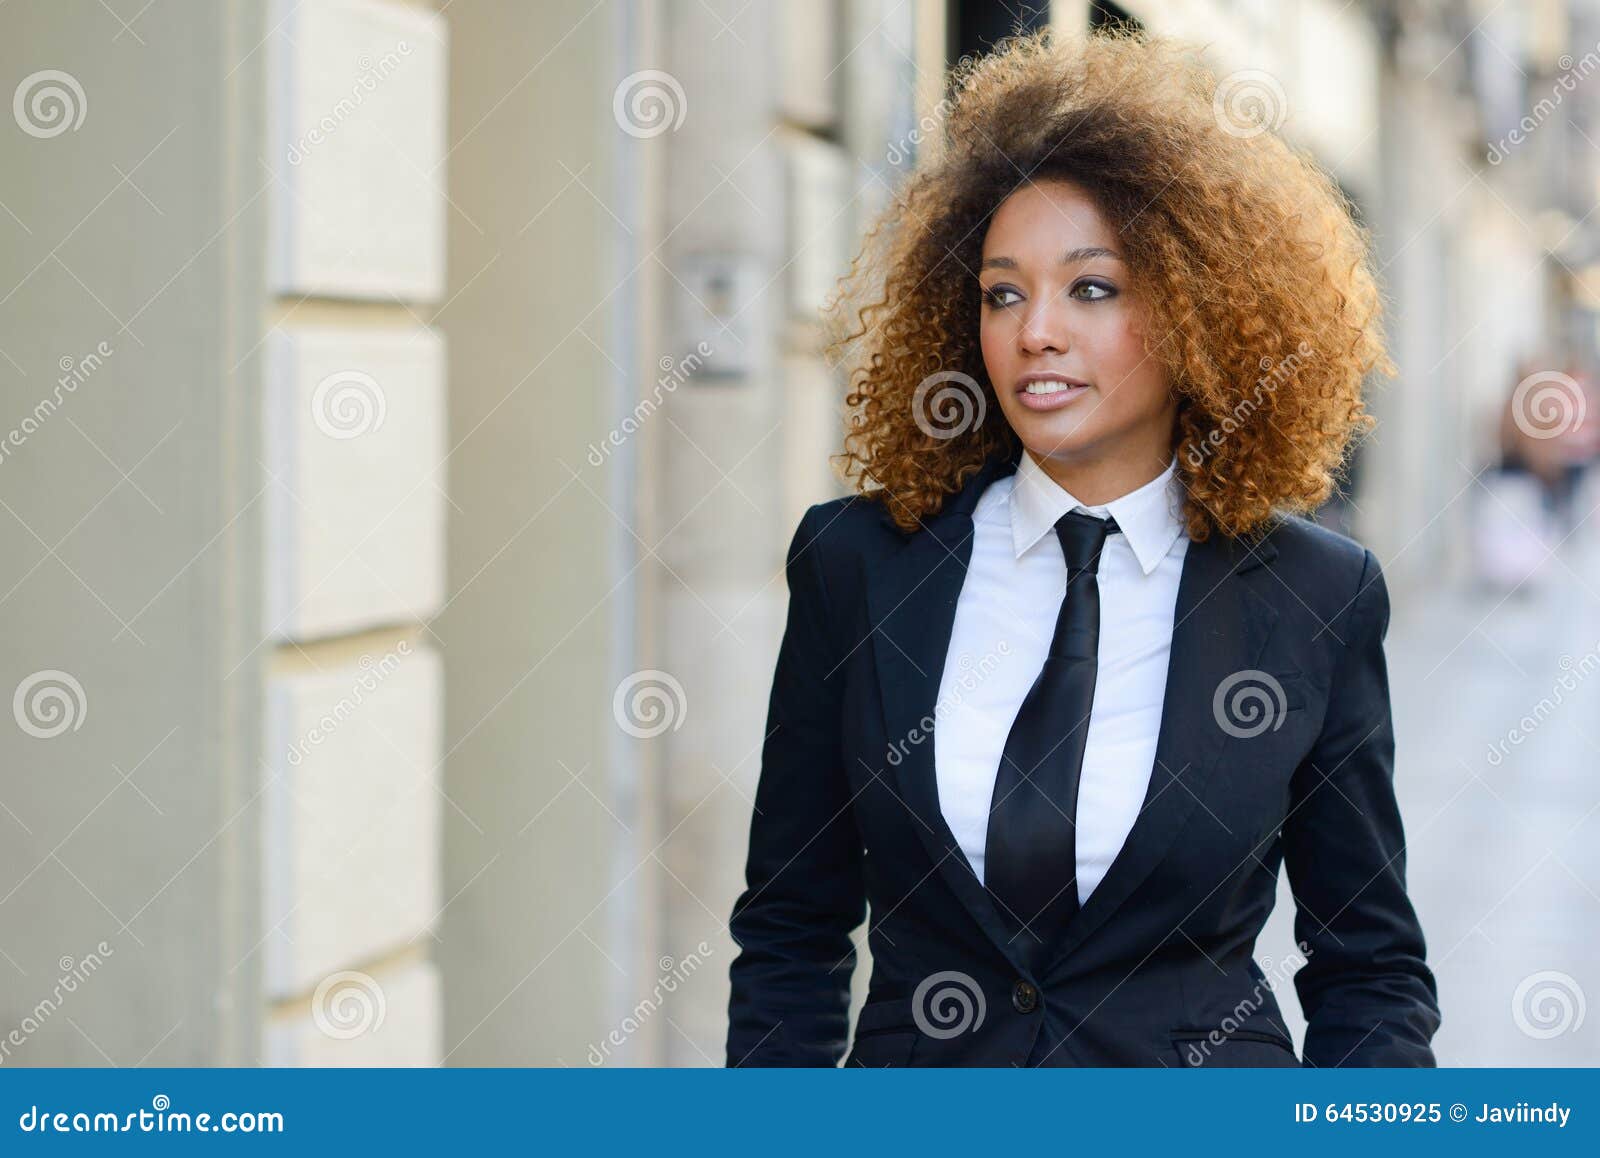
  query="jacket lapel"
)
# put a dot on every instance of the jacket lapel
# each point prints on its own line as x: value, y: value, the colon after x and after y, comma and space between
x: 911, y: 604
x: 1221, y: 626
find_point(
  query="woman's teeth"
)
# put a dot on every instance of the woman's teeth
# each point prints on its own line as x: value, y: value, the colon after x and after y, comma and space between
x: 1048, y: 387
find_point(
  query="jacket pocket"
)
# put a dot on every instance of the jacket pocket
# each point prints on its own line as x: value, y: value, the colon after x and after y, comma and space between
x: 886, y: 1034
x: 883, y: 1049
x: 1294, y: 689
x: 883, y: 1016
x: 1268, y: 685
x: 1243, y: 1048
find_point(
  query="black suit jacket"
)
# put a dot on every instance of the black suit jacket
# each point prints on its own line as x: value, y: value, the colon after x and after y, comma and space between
x: 1157, y: 966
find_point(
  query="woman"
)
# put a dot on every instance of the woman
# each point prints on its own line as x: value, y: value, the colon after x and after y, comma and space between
x: 1072, y: 675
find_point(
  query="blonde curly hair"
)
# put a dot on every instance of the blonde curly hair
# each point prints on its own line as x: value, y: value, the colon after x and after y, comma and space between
x: 1264, y: 308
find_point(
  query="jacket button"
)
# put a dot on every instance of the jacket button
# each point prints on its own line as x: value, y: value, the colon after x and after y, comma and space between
x: 1024, y: 997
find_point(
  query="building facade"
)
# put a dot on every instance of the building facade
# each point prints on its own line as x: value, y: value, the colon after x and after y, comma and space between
x: 410, y: 403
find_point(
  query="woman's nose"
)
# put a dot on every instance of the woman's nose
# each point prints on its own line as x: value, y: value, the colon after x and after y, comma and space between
x: 1045, y: 328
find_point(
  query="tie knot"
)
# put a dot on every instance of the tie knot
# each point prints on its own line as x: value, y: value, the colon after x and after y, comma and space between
x: 1082, y: 535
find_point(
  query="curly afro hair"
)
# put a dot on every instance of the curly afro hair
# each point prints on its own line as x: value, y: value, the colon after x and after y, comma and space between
x: 1264, y: 308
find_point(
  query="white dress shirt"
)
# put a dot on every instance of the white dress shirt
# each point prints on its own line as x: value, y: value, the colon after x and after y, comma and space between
x: 1005, y: 618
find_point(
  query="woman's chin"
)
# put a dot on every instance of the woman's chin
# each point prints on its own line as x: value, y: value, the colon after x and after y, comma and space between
x: 1053, y: 435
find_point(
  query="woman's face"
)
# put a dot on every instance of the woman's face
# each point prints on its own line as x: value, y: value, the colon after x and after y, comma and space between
x: 1063, y: 337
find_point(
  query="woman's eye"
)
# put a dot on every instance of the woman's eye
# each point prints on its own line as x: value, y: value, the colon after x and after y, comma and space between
x: 999, y: 294
x: 1092, y: 291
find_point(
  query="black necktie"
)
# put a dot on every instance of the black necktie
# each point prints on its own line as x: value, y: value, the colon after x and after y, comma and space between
x: 1030, y: 858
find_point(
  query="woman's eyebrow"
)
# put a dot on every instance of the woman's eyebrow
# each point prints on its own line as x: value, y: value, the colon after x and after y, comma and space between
x: 1088, y: 253
x: 1071, y: 257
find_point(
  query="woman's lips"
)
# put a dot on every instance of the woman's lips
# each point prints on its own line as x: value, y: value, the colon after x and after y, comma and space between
x: 1044, y: 394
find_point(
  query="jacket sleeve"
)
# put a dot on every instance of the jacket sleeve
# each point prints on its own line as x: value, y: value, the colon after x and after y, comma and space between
x: 804, y: 891
x: 1369, y: 997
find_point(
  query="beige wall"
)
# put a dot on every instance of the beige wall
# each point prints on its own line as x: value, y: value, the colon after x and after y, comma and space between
x: 350, y: 747
x: 554, y: 914
x: 235, y: 583
x: 129, y: 539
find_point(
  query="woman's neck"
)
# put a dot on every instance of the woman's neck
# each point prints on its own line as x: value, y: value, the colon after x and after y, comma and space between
x: 1100, y: 480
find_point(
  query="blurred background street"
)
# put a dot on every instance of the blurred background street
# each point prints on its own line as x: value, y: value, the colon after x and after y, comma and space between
x: 404, y: 409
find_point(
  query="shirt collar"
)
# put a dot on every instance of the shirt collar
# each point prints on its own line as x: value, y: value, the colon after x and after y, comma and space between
x: 1150, y: 517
